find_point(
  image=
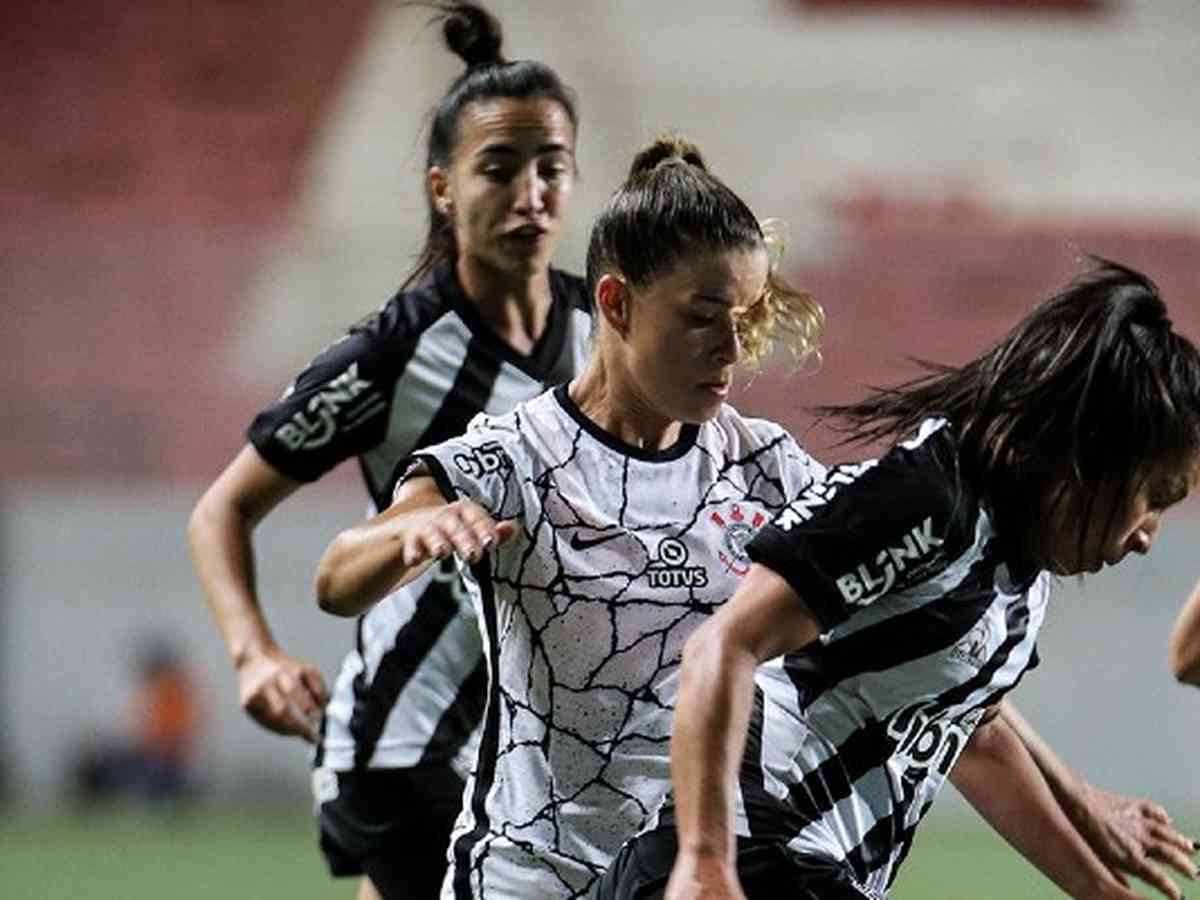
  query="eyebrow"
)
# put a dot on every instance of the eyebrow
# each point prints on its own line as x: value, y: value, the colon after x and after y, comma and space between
x: 510, y: 150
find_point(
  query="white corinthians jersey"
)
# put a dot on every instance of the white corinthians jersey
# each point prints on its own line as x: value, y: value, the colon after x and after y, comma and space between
x: 924, y: 626
x: 415, y: 373
x: 620, y: 554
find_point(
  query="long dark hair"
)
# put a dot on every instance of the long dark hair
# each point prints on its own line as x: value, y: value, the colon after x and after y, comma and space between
x: 475, y: 36
x: 1086, y: 391
x: 672, y: 206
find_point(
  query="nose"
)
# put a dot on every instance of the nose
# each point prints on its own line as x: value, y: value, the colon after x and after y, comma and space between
x: 1143, y: 536
x: 530, y: 191
x: 729, y: 345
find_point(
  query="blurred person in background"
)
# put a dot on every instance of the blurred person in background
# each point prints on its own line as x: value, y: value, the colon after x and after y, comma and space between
x: 155, y: 762
x: 866, y: 656
x: 482, y: 324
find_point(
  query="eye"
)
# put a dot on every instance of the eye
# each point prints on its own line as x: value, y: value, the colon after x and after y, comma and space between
x: 497, y: 173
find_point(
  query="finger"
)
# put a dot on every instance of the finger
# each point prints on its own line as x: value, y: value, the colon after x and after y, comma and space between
x: 431, y: 544
x: 505, y: 530
x: 1156, y: 878
x: 1175, y: 858
x: 269, y: 709
x: 1156, y: 812
x: 468, y: 545
x: 467, y: 533
x: 1120, y: 876
x: 316, y: 685
x: 301, y: 722
x: 1168, y: 835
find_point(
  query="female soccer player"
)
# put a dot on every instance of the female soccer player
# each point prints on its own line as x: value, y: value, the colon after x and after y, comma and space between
x: 482, y: 324
x: 603, y: 522
x: 898, y: 601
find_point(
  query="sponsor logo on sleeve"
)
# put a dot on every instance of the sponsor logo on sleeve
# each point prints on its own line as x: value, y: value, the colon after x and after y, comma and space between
x: 973, y: 648
x: 316, y: 424
x: 871, y: 580
x: 486, y: 459
x: 820, y: 493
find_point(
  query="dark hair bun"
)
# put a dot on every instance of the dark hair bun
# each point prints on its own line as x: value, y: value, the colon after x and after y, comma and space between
x: 667, y: 150
x: 473, y: 34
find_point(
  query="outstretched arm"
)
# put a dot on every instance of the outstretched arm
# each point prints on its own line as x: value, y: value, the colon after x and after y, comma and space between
x: 764, y: 619
x: 999, y: 777
x: 1127, y: 833
x: 1184, y: 649
x: 280, y: 692
x: 365, y: 563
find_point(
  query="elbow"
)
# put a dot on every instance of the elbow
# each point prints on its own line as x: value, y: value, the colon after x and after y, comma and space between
x: 329, y: 586
x: 714, y: 649
x: 1182, y: 658
x: 200, y: 522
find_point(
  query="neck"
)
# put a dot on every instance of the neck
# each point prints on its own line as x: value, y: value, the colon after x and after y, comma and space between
x: 615, y: 404
x: 516, y: 307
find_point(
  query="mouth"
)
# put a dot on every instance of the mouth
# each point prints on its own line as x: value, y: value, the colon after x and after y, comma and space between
x: 719, y: 388
x: 525, y: 232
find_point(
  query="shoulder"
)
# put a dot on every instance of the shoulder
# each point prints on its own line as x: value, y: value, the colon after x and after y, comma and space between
x: 407, y: 314
x: 515, y: 428
x: 916, y: 482
x: 750, y: 437
x: 748, y: 431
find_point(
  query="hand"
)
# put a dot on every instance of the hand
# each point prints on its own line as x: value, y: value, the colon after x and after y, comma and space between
x: 1129, y: 835
x: 697, y: 877
x: 282, y: 694
x: 463, y: 527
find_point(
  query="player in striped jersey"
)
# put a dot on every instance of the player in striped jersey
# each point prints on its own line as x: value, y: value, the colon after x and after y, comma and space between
x: 482, y: 324
x: 894, y: 605
x: 626, y: 500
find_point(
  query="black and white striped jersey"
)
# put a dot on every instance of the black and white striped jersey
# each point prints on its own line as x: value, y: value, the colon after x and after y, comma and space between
x: 620, y: 554
x: 927, y: 620
x: 415, y: 373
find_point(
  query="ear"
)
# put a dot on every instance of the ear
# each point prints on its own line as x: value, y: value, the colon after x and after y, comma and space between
x: 439, y: 191
x: 613, y: 301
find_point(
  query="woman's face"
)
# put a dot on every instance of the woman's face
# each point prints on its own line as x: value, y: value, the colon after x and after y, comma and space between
x: 681, y: 336
x: 509, y: 183
x: 1110, y: 537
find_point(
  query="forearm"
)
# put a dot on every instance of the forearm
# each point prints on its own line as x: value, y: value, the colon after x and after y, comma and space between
x: 999, y: 777
x: 364, y: 564
x: 711, y: 718
x: 1184, y: 648
x: 1066, y: 784
x: 220, y: 540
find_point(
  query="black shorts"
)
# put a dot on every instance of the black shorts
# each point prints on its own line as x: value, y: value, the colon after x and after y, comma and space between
x: 392, y: 825
x: 766, y: 869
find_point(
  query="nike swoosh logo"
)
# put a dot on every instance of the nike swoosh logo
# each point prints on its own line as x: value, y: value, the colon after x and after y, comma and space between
x: 581, y: 543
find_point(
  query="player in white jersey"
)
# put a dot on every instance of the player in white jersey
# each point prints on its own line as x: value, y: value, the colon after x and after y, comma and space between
x: 603, y: 522
x: 898, y: 601
x: 482, y: 324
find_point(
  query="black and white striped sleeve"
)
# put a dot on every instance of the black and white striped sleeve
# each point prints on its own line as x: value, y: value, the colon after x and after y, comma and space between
x: 865, y: 531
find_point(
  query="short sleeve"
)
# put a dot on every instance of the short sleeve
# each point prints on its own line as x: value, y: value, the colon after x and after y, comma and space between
x: 484, y: 465
x: 340, y: 405
x: 868, y: 530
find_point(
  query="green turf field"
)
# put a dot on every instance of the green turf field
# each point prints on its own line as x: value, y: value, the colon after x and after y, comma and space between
x: 133, y: 856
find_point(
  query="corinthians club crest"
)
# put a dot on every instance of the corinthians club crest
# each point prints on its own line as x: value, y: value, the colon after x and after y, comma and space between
x: 737, y: 527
